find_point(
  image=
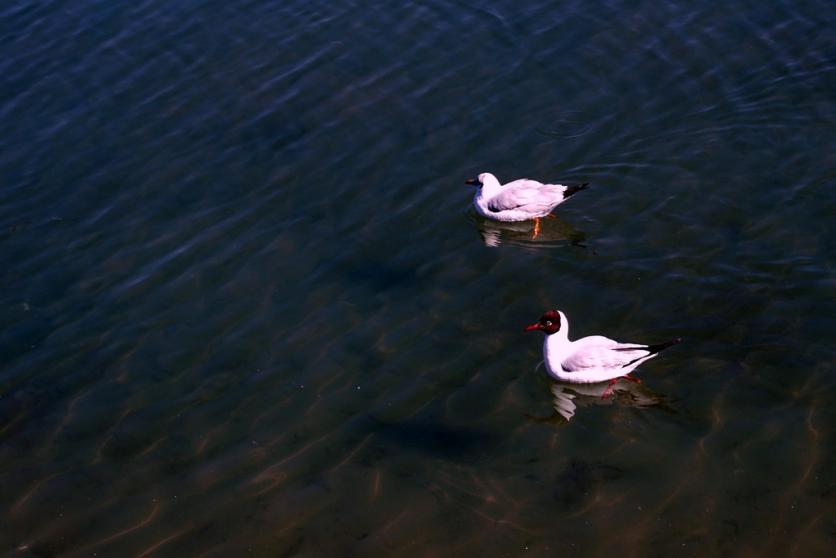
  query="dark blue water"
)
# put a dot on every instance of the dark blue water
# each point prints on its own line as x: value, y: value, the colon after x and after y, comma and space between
x: 247, y: 309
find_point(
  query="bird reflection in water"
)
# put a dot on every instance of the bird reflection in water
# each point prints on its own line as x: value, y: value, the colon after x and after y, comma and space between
x: 553, y: 232
x: 568, y: 397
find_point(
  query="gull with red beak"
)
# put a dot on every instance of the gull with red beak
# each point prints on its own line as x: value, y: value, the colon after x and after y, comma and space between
x: 589, y: 359
x: 520, y: 200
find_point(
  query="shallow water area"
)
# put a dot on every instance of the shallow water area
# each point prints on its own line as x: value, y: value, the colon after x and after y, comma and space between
x: 248, y: 309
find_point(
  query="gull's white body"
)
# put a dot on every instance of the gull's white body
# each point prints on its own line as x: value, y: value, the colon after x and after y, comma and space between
x: 519, y: 200
x: 590, y: 359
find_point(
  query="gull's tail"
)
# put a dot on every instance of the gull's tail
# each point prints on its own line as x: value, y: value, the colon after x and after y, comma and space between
x: 662, y: 346
x: 651, y: 350
x: 572, y: 189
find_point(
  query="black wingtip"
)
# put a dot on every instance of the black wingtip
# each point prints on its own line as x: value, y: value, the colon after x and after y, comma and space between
x: 662, y: 346
x: 573, y: 189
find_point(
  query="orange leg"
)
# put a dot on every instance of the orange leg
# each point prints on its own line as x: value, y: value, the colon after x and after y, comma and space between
x: 550, y: 216
x: 536, y: 228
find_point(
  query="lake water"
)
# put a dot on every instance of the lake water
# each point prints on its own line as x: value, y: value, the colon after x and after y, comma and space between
x: 247, y: 308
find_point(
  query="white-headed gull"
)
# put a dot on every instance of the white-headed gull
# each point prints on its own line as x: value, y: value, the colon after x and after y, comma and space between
x: 589, y: 359
x: 520, y: 200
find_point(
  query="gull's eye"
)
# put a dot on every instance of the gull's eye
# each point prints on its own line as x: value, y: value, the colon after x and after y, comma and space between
x: 548, y: 323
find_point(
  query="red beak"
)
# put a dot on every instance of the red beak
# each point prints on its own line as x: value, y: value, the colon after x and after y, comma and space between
x: 533, y: 327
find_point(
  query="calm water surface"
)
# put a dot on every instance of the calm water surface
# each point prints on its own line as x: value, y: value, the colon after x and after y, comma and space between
x: 246, y: 308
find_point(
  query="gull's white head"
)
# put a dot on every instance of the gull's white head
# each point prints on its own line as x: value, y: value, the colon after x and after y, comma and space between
x: 484, y: 179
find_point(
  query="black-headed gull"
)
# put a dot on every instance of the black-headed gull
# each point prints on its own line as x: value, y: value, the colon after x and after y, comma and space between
x: 520, y: 200
x: 589, y: 359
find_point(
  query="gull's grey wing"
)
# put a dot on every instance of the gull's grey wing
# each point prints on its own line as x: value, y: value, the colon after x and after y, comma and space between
x: 527, y: 195
x: 597, y: 355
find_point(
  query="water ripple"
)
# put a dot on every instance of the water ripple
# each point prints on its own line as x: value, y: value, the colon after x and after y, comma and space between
x: 240, y: 269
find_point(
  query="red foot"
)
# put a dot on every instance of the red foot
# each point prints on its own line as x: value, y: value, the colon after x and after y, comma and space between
x: 608, y: 391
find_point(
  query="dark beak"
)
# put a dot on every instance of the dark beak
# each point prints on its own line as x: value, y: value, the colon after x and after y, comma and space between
x: 533, y: 327
x: 473, y: 182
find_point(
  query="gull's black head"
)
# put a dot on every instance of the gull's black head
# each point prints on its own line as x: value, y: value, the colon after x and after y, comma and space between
x: 473, y: 181
x: 549, y: 323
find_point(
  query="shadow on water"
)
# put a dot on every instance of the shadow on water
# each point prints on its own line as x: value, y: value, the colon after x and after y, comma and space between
x: 569, y: 397
x: 577, y: 482
x: 434, y: 437
x: 554, y: 233
x: 380, y: 276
